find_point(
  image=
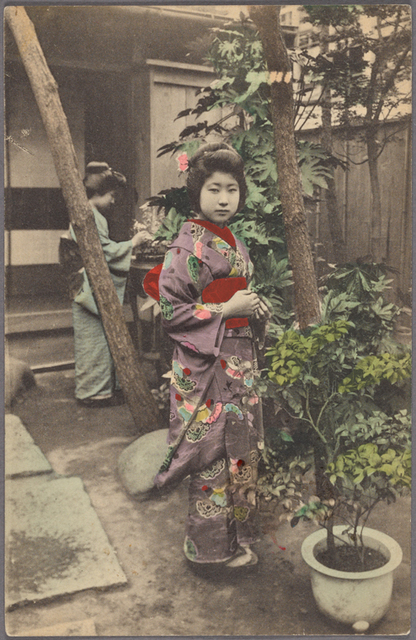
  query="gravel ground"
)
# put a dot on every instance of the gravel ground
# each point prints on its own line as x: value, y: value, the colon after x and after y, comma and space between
x: 164, y: 595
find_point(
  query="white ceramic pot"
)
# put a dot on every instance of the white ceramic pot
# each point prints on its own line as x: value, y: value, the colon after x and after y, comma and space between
x: 360, y: 599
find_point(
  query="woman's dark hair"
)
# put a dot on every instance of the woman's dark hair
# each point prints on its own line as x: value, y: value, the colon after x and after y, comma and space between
x: 212, y: 157
x: 100, y: 178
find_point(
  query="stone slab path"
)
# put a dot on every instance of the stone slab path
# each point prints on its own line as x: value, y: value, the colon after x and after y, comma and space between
x: 22, y: 456
x: 54, y: 542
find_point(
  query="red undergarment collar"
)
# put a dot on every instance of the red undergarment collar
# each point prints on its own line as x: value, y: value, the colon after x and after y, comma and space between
x: 225, y: 234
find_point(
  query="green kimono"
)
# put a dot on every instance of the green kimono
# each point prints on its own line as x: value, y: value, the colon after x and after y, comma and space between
x: 94, y: 366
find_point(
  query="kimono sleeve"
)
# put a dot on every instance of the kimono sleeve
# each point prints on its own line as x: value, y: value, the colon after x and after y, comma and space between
x: 117, y: 254
x: 196, y: 326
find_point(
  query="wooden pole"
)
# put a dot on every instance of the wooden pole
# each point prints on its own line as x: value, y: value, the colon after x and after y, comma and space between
x: 139, y: 399
x: 307, y: 307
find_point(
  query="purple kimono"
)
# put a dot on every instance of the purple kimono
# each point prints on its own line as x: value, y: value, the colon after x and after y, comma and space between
x: 215, y: 433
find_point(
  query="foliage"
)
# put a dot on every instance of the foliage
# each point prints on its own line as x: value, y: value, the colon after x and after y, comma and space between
x: 314, y: 163
x: 356, y: 466
x: 322, y: 378
x: 355, y: 292
x: 175, y: 203
x: 283, y: 481
x: 243, y: 91
x: 367, y: 66
x: 333, y: 379
x: 271, y: 280
x: 348, y: 364
x: 241, y: 97
x: 371, y: 370
x: 341, y: 15
x: 171, y: 225
x: 172, y: 199
x: 362, y: 478
x: 362, y: 281
x: 364, y: 72
x: 376, y: 468
x: 378, y: 428
x: 292, y: 350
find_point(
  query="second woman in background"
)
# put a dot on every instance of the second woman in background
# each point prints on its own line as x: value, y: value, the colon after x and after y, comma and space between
x: 95, y: 380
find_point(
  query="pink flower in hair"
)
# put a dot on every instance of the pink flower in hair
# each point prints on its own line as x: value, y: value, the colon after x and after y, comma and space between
x: 183, y: 162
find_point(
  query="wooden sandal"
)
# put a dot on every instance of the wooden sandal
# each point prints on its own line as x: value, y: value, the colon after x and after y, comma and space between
x: 244, y: 557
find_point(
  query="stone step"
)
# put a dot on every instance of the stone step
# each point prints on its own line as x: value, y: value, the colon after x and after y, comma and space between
x: 50, y: 320
x: 34, y: 321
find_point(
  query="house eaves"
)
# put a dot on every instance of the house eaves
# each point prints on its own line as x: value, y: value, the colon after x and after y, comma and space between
x: 115, y: 37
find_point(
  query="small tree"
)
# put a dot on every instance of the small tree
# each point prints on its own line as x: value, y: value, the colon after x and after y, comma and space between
x: 244, y: 90
x: 267, y: 20
x: 366, y: 66
x: 347, y: 383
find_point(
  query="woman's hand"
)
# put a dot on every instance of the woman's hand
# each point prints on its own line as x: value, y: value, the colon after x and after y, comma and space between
x: 140, y: 237
x: 243, y: 304
x: 263, y: 312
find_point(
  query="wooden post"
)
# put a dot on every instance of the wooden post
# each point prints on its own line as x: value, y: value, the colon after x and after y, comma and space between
x: 307, y: 307
x: 139, y: 399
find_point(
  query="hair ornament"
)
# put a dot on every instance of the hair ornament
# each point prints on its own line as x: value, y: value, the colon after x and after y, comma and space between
x: 183, y: 162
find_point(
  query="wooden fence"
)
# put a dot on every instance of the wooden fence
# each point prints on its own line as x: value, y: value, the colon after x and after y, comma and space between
x: 354, y: 205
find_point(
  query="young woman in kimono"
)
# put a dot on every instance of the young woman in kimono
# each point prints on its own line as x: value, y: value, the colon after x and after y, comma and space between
x: 215, y: 433
x: 95, y: 380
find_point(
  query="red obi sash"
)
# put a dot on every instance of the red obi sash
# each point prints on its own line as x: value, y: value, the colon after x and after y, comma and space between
x: 220, y: 290
x: 151, y: 281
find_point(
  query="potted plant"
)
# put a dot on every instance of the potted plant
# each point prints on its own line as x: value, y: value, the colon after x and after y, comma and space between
x: 358, y: 444
x: 349, y: 562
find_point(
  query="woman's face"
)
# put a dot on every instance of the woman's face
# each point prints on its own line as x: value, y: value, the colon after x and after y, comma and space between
x: 104, y: 202
x: 219, y: 198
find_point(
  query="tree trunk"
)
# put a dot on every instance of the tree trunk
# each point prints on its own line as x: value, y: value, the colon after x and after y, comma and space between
x: 307, y: 307
x: 378, y: 230
x: 330, y: 196
x: 139, y: 399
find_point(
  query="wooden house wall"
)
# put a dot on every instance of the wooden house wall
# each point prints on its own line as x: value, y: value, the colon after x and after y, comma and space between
x: 160, y: 91
x: 173, y: 89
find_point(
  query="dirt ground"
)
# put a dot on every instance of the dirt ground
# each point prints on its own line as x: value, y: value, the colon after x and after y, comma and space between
x: 164, y: 595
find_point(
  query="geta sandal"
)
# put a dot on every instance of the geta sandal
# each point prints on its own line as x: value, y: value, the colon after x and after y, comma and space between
x: 244, y: 557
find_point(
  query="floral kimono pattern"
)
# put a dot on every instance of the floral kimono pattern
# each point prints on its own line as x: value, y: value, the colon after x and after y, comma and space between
x: 215, y: 433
